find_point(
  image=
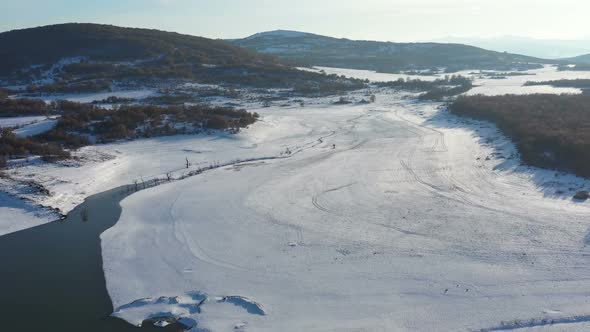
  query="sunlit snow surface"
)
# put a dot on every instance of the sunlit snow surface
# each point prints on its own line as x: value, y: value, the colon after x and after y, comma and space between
x: 416, y: 221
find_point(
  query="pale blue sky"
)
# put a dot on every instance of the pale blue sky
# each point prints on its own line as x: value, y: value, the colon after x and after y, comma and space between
x: 395, y: 20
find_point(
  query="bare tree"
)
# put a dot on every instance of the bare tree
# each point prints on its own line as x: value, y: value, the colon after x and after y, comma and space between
x: 84, y: 214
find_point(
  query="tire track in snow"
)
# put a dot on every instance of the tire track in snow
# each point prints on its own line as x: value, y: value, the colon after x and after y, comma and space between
x: 196, y: 251
x: 454, y: 185
x: 320, y: 207
x: 440, y: 139
x: 537, y: 322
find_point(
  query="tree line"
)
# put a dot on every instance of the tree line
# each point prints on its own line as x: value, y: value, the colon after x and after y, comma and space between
x: 79, y: 121
x: 551, y: 131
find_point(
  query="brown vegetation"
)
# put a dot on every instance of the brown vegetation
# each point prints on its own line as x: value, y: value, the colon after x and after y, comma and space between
x: 12, y: 147
x: 77, y: 87
x: 133, y: 121
x: 23, y: 107
x: 438, y: 89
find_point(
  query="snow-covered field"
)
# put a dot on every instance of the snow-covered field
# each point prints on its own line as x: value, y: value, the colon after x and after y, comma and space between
x: 483, y: 85
x: 371, y: 75
x: 417, y: 221
x: 515, y: 84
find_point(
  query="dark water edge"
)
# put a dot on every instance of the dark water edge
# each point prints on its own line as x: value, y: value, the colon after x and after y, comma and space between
x: 51, y: 276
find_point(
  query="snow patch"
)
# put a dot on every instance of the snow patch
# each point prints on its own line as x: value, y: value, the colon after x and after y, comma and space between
x: 187, y: 309
x: 36, y: 128
x: 13, y: 122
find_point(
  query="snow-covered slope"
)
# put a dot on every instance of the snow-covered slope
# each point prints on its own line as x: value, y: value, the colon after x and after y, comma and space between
x: 415, y: 221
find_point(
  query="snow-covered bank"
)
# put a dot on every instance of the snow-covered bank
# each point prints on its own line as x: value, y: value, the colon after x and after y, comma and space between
x: 17, y: 215
x: 417, y: 221
x: 107, y: 166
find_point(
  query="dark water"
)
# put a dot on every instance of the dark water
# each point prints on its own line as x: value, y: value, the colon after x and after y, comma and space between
x: 51, y: 276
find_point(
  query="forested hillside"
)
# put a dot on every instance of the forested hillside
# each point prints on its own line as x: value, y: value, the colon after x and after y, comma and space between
x: 89, y: 57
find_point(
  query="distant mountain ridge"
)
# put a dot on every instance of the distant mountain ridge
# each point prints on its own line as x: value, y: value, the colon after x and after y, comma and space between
x: 311, y: 49
x: 542, y: 48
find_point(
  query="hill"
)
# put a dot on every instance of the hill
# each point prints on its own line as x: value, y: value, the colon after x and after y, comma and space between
x: 30, y: 47
x: 578, y: 63
x: 89, y: 57
x: 581, y: 59
x: 310, y: 49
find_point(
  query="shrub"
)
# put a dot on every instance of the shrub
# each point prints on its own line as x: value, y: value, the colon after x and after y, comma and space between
x: 23, y: 107
x: 435, y: 90
x: 12, y: 146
